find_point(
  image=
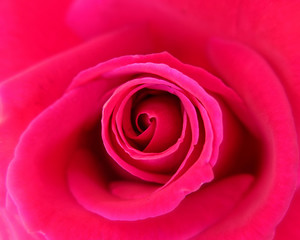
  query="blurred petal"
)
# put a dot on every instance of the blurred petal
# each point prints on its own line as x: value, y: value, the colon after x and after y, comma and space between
x: 31, y: 31
x: 11, y: 228
x: 289, y: 227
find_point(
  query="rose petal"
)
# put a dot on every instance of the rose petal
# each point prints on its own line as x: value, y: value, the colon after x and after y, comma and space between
x: 171, y: 28
x: 263, y: 208
x: 41, y: 85
x: 200, y: 209
x: 45, y: 167
x: 11, y: 228
x: 288, y: 228
x: 29, y: 35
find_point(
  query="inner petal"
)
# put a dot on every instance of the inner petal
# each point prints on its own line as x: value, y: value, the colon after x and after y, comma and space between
x: 160, y: 110
x: 143, y: 121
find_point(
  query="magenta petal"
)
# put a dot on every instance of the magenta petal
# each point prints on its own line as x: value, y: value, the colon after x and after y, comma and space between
x: 12, y: 228
x: 38, y: 87
x: 288, y: 228
x: 251, y: 77
x: 196, y: 212
x: 90, y: 190
x: 47, y: 145
x: 27, y: 33
x: 89, y: 187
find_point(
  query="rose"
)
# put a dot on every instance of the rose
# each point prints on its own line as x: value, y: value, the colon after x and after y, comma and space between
x: 247, y: 212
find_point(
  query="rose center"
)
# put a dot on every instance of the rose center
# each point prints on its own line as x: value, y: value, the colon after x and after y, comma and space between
x: 143, y: 122
x: 156, y: 118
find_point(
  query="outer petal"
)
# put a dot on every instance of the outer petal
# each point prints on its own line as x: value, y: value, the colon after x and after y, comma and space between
x: 27, y: 94
x: 251, y: 77
x: 31, y: 31
x: 289, y: 227
x: 171, y: 29
x: 11, y: 228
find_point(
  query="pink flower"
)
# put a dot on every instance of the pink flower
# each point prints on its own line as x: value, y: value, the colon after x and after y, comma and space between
x: 149, y: 120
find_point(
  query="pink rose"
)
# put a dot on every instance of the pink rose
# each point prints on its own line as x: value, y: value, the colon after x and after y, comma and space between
x: 149, y: 120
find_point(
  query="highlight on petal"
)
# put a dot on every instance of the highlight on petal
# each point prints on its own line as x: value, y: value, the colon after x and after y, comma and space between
x: 12, y: 228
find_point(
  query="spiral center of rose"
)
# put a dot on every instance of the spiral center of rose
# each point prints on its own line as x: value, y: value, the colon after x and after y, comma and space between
x: 155, y: 114
x: 156, y: 130
x: 143, y: 122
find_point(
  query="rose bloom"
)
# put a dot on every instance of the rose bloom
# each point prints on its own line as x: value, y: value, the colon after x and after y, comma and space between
x: 149, y: 119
